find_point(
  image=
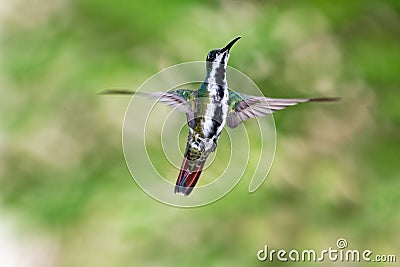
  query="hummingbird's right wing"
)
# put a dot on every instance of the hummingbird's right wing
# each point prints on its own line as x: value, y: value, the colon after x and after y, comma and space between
x: 244, y: 107
x: 180, y: 99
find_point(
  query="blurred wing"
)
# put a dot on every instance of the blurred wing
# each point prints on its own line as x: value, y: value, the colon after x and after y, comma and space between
x: 179, y: 99
x: 244, y: 107
x: 173, y: 100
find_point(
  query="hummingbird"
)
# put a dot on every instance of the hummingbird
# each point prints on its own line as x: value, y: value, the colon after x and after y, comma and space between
x: 209, y: 109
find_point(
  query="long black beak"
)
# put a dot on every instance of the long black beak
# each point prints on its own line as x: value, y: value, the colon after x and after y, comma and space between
x: 228, y: 46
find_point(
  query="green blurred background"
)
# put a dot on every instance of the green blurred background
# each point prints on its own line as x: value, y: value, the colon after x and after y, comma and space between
x: 66, y: 195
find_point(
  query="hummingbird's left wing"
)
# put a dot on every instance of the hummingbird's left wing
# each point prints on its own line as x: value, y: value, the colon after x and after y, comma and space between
x: 180, y: 99
x: 244, y: 107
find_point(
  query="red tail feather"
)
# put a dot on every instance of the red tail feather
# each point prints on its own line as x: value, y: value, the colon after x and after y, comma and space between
x: 187, y: 178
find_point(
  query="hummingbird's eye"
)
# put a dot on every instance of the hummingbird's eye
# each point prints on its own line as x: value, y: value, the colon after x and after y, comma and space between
x: 211, y: 55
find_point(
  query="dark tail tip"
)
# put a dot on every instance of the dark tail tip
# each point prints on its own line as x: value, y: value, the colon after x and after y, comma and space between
x: 183, y: 190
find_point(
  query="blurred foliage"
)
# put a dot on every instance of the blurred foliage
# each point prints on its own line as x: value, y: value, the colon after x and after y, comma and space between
x: 336, y: 174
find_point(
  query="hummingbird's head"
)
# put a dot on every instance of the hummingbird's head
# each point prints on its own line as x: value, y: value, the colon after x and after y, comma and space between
x: 220, y: 56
